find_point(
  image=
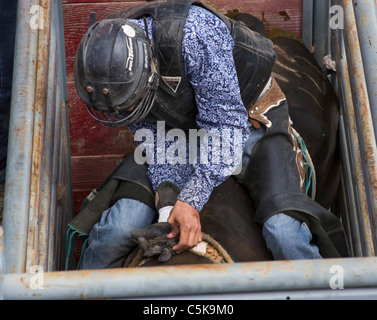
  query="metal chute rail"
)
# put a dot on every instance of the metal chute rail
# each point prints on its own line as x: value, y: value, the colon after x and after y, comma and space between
x: 38, y: 197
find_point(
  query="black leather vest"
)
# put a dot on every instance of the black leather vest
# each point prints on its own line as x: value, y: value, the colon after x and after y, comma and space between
x: 253, y: 54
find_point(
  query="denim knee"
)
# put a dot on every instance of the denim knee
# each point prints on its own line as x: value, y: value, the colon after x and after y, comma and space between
x: 288, y: 238
x: 124, y: 216
x: 110, y: 239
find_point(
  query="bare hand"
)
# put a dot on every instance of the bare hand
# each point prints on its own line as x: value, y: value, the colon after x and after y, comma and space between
x: 185, y: 221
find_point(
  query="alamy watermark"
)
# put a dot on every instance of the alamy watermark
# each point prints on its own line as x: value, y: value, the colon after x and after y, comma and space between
x: 37, y: 280
x: 37, y: 19
x: 337, y: 280
x: 336, y: 17
x: 195, y: 146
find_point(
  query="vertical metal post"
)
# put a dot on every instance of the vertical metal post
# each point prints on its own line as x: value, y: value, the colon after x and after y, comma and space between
x: 365, y: 128
x: 321, y: 29
x: 64, y: 203
x: 38, y: 195
x: 16, y: 207
x: 47, y: 210
x: 366, y: 22
x: 361, y: 230
x: 37, y: 213
x: 307, y: 23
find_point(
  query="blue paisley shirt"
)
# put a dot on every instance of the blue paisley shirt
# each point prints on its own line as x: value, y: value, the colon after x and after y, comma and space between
x: 208, y: 59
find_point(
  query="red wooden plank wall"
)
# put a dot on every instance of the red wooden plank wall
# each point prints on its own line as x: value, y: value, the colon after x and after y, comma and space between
x: 96, y: 150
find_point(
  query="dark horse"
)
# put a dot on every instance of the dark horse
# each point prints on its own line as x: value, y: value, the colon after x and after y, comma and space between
x: 314, y: 110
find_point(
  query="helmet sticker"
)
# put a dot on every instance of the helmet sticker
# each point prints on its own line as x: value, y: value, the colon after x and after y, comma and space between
x: 129, y: 31
x: 130, y: 56
x: 145, y: 56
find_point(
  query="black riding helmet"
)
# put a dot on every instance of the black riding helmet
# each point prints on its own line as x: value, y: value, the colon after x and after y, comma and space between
x: 115, y: 72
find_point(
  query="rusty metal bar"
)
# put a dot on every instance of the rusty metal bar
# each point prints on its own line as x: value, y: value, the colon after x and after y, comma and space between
x: 350, y: 220
x: 54, y: 146
x: 37, y: 214
x: 60, y: 206
x: 17, y: 188
x: 38, y: 193
x: 362, y: 239
x: 240, y: 278
x: 48, y: 193
x: 64, y: 199
x: 362, y: 109
x: 366, y: 22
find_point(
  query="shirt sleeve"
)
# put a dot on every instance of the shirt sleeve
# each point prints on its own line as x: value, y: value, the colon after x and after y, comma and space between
x: 210, y: 69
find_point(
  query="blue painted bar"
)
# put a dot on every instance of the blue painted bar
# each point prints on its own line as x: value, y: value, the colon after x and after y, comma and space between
x: 17, y: 188
x: 321, y: 30
x: 38, y: 192
x: 239, y: 279
x: 307, y: 23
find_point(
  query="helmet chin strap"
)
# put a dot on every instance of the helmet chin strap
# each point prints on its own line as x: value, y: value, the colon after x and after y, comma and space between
x: 154, y: 63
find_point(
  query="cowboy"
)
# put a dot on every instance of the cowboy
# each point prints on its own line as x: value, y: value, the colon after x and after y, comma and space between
x: 181, y: 66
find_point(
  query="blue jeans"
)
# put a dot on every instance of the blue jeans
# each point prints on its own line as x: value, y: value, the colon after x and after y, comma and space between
x: 289, y: 239
x: 110, y: 239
